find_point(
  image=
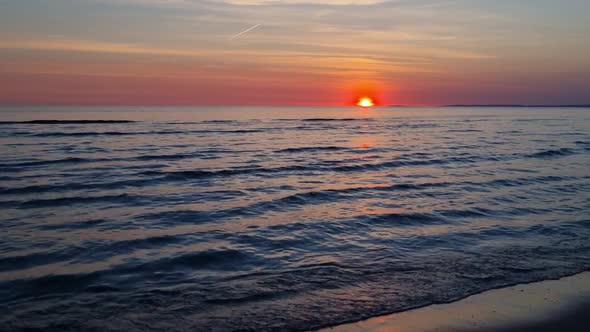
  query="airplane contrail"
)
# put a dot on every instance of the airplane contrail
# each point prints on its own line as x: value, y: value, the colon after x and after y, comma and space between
x: 245, y: 31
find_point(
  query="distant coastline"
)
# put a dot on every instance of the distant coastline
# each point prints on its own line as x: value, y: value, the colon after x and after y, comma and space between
x: 504, y: 106
x: 518, y: 105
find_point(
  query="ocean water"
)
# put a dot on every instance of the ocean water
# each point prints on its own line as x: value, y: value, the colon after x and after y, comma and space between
x: 285, y: 219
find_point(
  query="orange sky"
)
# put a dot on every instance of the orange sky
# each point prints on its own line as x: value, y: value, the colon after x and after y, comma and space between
x: 181, y: 52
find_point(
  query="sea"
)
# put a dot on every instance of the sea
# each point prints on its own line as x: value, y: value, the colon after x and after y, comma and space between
x: 280, y: 218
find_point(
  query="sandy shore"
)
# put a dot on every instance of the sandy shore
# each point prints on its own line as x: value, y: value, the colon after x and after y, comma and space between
x: 553, y: 305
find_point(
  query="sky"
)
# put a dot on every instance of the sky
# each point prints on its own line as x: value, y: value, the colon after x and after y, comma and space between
x: 299, y: 52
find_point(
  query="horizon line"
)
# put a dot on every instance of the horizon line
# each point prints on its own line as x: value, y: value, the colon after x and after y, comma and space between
x: 291, y: 105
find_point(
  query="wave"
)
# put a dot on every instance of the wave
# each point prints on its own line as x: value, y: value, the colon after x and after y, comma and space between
x: 70, y: 160
x: 68, y: 201
x: 403, y: 219
x: 320, y: 167
x: 141, y: 133
x: 300, y: 200
x: 11, y: 263
x: 209, y: 259
x: 67, y: 122
x: 206, y: 122
x: 197, y: 174
x: 412, y: 126
x: 552, y: 153
x: 83, y: 282
x: 49, y: 188
x: 103, y: 133
x: 313, y: 149
x: 464, y: 131
x: 152, y: 177
x: 89, y: 251
x: 72, y: 225
x: 77, y: 160
x: 226, y: 259
x: 335, y: 119
x: 219, y: 121
x: 253, y: 298
x: 54, y: 188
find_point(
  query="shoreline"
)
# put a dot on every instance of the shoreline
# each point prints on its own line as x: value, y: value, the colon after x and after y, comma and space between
x: 549, y: 305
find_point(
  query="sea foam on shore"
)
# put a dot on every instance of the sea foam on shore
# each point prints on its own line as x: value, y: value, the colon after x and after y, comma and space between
x: 546, y: 306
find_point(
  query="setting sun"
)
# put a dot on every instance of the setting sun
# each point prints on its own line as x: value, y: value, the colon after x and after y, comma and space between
x: 366, y: 102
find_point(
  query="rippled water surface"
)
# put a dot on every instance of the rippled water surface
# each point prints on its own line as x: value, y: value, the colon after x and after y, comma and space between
x: 280, y: 218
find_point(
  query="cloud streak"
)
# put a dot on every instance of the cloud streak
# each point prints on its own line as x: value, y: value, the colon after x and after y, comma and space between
x: 308, y: 2
x: 248, y: 2
x: 245, y: 31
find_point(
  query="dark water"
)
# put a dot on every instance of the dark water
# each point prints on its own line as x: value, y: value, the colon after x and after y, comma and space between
x: 280, y: 219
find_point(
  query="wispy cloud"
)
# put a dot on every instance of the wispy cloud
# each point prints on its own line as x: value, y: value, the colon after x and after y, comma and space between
x: 245, y: 31
x: 316, y: 2
x: 247, y: 2
x: 92, y: 46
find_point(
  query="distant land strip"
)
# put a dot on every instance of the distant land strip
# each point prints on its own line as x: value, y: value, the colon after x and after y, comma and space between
x: 517, y: 105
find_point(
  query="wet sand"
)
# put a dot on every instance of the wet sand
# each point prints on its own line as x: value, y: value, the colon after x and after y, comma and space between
x: 552, y: 305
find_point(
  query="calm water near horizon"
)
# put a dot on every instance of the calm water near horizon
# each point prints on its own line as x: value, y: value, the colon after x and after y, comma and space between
x: 280, y: 218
